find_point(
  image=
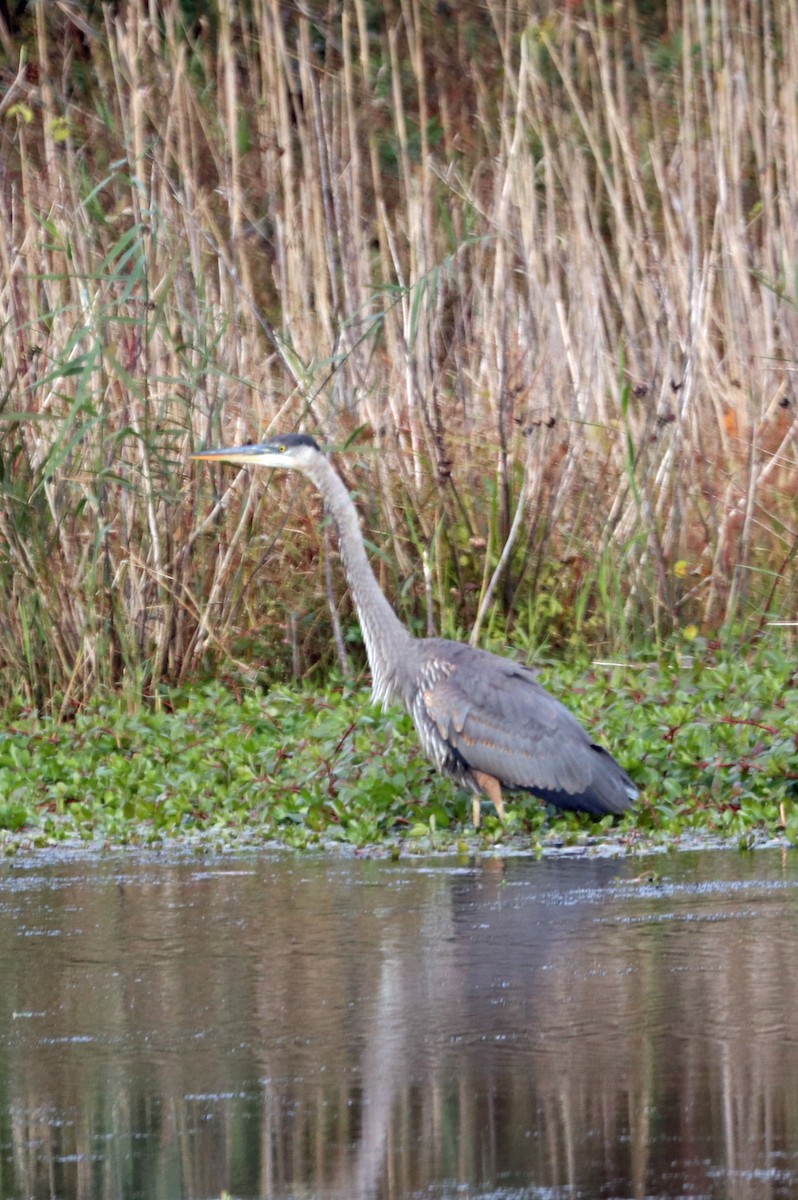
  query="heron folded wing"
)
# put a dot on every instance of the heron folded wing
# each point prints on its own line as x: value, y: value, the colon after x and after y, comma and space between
x: 501, y: 722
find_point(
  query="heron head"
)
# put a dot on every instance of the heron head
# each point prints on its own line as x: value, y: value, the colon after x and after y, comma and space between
x: 291, y: 450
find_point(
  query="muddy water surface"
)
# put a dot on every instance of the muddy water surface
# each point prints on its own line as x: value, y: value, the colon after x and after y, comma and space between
x: 283, y: 1027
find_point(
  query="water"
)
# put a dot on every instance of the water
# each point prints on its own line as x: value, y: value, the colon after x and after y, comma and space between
x: 285, y: 1027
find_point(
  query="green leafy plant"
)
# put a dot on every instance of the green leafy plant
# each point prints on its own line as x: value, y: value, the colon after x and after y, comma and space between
x: 709, y: 736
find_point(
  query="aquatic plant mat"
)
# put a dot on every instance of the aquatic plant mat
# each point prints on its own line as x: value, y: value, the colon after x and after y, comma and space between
x: 710, y: 737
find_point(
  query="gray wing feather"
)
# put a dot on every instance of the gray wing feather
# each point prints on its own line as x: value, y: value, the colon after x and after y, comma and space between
x: 499, y: 720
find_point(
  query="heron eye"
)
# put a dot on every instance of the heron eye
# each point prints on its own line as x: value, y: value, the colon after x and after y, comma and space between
x: 281, y: 448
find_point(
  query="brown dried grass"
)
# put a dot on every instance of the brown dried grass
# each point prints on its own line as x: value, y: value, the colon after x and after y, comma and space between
x: 542, y: 265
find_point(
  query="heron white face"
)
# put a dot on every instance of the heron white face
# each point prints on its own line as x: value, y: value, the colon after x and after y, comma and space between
x: 293, y: 450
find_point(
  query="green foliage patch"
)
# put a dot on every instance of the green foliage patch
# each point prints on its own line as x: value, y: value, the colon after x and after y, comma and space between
x: 711, y: 738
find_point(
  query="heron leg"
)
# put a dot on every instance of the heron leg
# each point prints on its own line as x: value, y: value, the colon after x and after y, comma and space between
x: 493, y: 789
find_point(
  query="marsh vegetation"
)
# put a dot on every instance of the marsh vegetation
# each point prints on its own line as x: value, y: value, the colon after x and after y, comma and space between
x: 532, y: 267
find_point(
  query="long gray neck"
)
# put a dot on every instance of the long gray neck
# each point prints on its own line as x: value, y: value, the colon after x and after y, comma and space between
x: 388, y: 644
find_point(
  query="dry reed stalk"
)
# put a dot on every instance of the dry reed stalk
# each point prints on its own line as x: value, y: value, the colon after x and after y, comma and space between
x: 586, y: 237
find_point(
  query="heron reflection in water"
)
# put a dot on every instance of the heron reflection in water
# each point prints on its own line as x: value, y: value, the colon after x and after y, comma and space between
x: 482, y: 719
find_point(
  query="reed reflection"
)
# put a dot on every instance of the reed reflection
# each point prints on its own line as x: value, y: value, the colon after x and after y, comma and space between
x: 381, y: 1030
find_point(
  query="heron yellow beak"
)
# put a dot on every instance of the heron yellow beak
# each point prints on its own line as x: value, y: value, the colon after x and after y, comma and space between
x: 286, y: 450
x: 243, y: 455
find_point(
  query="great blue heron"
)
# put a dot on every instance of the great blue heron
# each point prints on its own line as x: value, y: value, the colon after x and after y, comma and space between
x: 482, y: 719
